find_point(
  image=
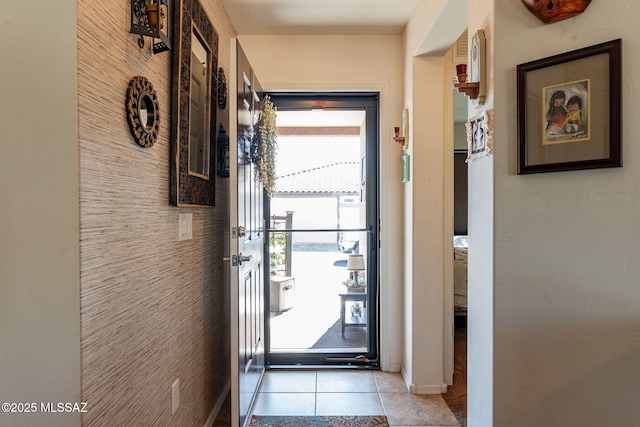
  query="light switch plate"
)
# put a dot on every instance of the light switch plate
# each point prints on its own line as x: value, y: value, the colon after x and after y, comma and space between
x: 175, y: 396
x: 186, y: 227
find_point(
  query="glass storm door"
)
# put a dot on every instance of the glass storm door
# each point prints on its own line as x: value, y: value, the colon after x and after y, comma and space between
x: 322, y: 287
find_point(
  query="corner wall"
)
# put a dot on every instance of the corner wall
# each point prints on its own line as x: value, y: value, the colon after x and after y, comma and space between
x: 39, y: 266
x: 428, y: 222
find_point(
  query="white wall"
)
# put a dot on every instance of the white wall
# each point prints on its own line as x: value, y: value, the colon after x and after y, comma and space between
x: 480, y: 363
x: 39, y: 243
x: 309, y: 212
x: 567, y: 324
x: 356, y: 63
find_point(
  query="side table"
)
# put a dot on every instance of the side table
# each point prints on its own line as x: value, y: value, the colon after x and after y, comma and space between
x: 349, y: 320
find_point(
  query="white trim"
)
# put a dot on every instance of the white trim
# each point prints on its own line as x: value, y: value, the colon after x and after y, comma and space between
x: 448, y: 322
x: 422, y: 388
x: 427, y: 388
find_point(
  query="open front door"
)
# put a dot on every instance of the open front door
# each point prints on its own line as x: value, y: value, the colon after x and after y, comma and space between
x: 247, y: 242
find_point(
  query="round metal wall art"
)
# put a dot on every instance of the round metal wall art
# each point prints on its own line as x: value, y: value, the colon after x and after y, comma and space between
x: 222, y: 89
x: 142, y: 109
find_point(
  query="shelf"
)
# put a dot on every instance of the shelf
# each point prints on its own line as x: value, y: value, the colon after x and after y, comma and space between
x: 469, y: 89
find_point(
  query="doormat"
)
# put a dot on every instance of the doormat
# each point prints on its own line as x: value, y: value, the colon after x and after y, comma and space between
x: 319, y: 421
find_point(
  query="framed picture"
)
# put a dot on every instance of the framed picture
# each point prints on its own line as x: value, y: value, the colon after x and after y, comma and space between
x: 480, y: 135
x: 569, y: 110
x: 405, y: 167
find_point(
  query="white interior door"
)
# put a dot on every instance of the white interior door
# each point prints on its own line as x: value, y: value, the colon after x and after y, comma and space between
x: 247, y: 242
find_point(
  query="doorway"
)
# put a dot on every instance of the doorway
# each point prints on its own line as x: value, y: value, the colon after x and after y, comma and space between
x: 322, y: 239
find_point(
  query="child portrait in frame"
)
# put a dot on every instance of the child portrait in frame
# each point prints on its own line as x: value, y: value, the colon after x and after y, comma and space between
x: 566, y: 112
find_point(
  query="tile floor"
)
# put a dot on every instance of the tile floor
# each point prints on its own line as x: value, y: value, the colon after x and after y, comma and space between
x: 349, y: 393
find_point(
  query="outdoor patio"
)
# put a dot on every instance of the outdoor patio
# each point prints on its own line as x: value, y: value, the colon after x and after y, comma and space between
x: 313, y: 323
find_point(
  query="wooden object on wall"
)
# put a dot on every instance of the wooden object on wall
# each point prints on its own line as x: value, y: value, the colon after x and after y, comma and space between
x: 549, y: 11
x: 149, y: 20
x: 474, y: 84
x: 222, y: 89
x: 188, y: 187
x: 142, y: 111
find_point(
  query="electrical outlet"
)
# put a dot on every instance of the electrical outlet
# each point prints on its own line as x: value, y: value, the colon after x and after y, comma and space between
x: 185, y: 227
x: 175, y: 396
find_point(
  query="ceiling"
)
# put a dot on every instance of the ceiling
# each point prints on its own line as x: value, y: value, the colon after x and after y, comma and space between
x: 324, y: 17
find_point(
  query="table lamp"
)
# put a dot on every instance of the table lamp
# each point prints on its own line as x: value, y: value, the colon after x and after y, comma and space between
x: 355, y: 264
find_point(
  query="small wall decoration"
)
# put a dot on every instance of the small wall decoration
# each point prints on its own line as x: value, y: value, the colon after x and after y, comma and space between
x: 150, y: 18
x: 222, y: 89
x: 477, y: 67
x: 480, y: 136
x: 549, y: 11
x: 474, y: 84
x: 405, y: 167
x: 142, y: 110
x: 569, y: 110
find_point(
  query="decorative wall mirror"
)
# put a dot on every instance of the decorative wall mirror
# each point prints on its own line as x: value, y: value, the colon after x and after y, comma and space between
x: 142, y: 111
x: 194, y: 107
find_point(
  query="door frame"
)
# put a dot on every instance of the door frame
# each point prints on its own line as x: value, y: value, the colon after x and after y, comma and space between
x: 369, y: 102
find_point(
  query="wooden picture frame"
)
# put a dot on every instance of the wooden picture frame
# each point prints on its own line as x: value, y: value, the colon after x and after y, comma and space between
x: 570, y: 110
x: 193, y: 160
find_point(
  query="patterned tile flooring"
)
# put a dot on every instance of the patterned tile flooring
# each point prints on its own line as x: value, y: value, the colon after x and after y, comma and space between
x: 349, y: 393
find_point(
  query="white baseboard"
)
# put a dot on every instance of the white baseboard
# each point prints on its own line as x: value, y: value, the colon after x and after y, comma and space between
x: 427, y: 388
x: 216, y: 408
x: 422, y: 388
x: 394, y: 368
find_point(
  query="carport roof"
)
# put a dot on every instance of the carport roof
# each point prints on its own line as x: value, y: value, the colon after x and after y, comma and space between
x: 335, y: 178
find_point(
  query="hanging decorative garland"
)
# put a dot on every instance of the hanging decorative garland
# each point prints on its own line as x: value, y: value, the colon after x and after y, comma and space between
x: 264, y: 147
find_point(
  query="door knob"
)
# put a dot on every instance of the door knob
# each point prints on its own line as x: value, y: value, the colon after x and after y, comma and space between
x: 243, y: 258
x: 241, y: 231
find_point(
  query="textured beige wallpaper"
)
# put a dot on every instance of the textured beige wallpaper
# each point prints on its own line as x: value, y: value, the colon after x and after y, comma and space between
x: 153, y: 309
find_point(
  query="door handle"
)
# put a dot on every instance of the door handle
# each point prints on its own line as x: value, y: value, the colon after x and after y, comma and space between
x: 233, y: 259
x: 243, y: 258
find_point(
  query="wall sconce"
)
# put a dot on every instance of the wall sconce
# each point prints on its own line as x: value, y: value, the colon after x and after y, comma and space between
x: 222, y: 144
x: 151, y: 18
x: 473, y: 84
